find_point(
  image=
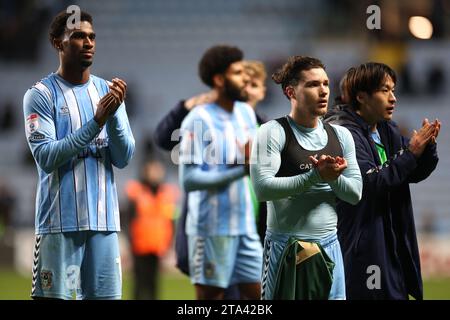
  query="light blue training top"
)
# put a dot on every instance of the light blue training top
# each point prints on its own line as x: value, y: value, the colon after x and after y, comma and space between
x: 302, y: 205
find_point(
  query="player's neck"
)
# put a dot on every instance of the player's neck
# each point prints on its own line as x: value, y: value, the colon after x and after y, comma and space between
x: 368, y: 119
x: 74, y: 75
x: 225, y: 103
x: 303, y: 119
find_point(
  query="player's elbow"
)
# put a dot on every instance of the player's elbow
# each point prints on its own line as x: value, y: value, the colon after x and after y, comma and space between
x: 42, y: 160
x: 355, y: 196
x: 122, y: 162
x: 46, y: 168
x: 262, y: 193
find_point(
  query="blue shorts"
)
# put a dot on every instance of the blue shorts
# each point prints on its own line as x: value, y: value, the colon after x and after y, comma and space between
x: 84, y: 265
x: 275, y: 243
x: 221, y: 261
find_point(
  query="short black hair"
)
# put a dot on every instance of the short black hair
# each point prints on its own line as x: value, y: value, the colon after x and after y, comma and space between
x: 216, y: 60
x: 367, y: 77
x: 289, y: 73
x: 58, y: 25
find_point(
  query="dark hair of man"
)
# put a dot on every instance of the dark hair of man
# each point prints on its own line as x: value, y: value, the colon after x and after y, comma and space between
x: 58, y: 25
x: 216, y: 60
x: 368, y: 77
x: 289, y: 73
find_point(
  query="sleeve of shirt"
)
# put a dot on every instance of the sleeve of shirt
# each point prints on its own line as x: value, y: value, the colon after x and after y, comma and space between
x: 426, y: 163
x: 348, y: 186
x: 40, y: 129
x: 120, y: 138
x: 382, y: 178
x: 265, y: 163
x: 171, y: 122
x: 194, y: 172
x: 194, y: 178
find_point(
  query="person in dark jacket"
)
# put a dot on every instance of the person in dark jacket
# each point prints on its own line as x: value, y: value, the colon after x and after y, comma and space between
x: 378, y: 235
x: 164, y: 139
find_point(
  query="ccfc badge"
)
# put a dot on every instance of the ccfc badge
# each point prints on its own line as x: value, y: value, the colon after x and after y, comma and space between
x: 46, y: 279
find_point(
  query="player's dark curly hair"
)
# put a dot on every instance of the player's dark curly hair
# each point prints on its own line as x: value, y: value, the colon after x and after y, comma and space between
x: 367, y: 77
x: 289, y: 73
x: 58, y: 25
x: 216, y: 60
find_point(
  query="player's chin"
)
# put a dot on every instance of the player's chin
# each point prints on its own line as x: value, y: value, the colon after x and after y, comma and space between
x: 321, y: 112
x: 87, y: 62
x: 242, y: 96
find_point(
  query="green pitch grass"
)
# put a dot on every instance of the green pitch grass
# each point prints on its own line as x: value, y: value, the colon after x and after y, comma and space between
x: 174, y: 286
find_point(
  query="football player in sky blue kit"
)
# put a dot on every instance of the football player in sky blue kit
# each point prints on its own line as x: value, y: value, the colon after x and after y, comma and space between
x: 299, y: 165
x: 77, y: 129
x: 223, y: 244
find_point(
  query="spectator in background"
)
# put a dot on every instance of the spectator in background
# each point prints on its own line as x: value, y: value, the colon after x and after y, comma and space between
x: 7, y: 203
x: 7, y: 117
x: 152, y: 206
x: 21, y: 25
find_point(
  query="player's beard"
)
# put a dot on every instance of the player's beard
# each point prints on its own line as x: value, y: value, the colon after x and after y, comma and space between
x: 233, y: 92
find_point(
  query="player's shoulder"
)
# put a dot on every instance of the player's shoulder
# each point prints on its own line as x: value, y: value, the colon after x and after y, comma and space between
x: 202, y: 110
x: 342, y: 132
x: 44, y: 83
x: 43, y: 87
x: 245, y: 107
x: 196, y: 114
x: 340, y: 129
x: 272, y: 128
x: 99, y: 81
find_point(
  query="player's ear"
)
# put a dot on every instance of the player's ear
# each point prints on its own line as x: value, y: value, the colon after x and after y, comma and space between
x: 361, y: 97
x: 290, y: 92
x: 57, y: 44
x: 218, y: 80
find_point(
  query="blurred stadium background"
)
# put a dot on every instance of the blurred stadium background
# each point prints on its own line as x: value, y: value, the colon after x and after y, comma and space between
x: 155, y: 46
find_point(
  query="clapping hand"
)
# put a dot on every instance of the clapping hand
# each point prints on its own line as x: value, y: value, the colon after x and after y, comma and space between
x: 330, y: 168
x: 110, y: 102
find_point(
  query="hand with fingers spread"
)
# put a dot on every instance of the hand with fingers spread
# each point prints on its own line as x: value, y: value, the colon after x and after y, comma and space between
x: 109, y: 103
x: 426, y: 134
x: 330, y: 168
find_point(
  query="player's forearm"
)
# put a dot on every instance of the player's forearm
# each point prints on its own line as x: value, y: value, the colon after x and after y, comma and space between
x: 194, y: 178
x: 348, y: 188
x: 53, y: 154
x: 268, y: 187
x: 425, y: 164
x: 121, y: 141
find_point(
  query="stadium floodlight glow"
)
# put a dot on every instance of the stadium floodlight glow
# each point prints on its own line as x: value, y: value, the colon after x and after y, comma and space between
x: 420, y: 27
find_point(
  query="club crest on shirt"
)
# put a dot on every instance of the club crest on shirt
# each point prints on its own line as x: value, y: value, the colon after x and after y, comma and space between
x: 209, y: 270
x: 46, y: 279
x: 32, y: 122
x: 64, y: 110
